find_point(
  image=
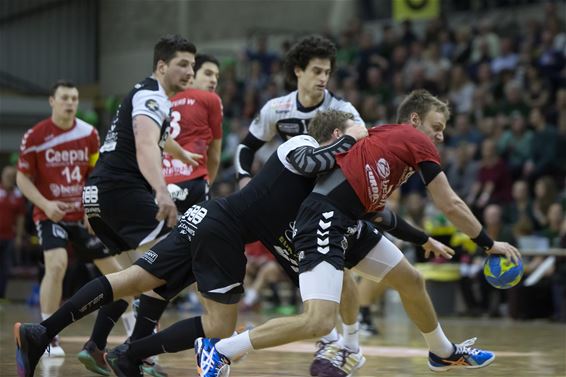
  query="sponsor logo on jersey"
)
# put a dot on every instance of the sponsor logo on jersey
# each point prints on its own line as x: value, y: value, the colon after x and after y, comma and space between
x: 282, y: 106
x: 64, y: 190
x: 383, y: 168
x: 282, y: 111
x: 66, y: 157
x: 177, y: 193
x: 183, y: 102
x: 152, y: 105
x: 373, y: 188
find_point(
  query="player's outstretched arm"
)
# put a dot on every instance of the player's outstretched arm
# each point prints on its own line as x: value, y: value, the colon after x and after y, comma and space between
x: 175, y: 150
x: 462, y: 217
x: 244, y: 158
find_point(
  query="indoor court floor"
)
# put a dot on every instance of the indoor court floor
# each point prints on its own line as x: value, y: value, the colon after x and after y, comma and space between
x: 535, y: 348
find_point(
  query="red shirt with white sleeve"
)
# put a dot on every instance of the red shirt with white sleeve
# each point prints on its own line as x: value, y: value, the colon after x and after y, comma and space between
x: 196, y: 120
x: 58, y: 163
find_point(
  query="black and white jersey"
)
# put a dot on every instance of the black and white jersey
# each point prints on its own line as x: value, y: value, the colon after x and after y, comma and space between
x: 267, y: 206
x: 117, y: 162
x: 286, y: 117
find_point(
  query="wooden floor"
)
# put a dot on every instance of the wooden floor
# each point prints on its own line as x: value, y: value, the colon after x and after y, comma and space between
x: 522, y: 349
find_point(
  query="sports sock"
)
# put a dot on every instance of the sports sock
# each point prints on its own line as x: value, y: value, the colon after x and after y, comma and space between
x: 107, y: 317
x: 235, y: 346
x: 129, y: 321
x: 351, y: 336
x: 90, y: 297
x: 438, y: 343
x: 149, y: 312
x: 178, y: 337
x: 331, y: 337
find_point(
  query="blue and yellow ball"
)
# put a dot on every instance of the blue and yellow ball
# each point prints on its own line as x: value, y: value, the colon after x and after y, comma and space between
x: 501, y: 272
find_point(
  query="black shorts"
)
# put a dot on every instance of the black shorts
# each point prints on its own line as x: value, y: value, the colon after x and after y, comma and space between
x: 326, y: 234
x: 206, y: 247
x: 57, y: 235
x: 122, y: 217
x: 187, y: 193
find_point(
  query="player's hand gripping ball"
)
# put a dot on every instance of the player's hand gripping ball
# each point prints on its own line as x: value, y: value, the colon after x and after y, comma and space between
x: 501, y: 272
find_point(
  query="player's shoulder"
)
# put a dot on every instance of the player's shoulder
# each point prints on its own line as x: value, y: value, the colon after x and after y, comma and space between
x: 39, y: 129
x: 86, y: 127
x: 148, y: 83
x: 282, y: 103
x: 333, y: 101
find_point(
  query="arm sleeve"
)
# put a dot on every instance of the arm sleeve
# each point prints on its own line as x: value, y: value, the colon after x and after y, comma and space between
x: 310, y: 161
x: 245, y: 155
x: 152, y: 104
x: 27, y: 160
x: 387, y: 221
x: 429, y: 170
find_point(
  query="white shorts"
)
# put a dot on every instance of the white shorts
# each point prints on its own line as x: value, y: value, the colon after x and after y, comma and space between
x: 379, y: 261
x: 324, y: 282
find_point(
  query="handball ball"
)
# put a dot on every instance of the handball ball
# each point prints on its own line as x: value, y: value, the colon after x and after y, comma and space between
x: 501, y: 272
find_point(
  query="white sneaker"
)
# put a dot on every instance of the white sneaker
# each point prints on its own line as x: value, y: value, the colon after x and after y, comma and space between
x: 344, y: 363
x: 54, y: 349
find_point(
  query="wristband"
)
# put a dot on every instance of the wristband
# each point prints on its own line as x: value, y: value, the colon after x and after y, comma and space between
x: 483, y: 240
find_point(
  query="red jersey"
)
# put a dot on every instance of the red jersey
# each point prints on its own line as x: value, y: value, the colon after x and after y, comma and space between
x: 58, y: 162
x: 383, y: 161
x: 196, y: 120
x: 12, y: 205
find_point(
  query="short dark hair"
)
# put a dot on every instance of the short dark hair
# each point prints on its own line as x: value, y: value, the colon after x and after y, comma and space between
x: 168, y: 46
x: 200, y: 59
x: 325, y: 122
x: 420, y: 101
x: 62, y: 82
x: 300, y: 54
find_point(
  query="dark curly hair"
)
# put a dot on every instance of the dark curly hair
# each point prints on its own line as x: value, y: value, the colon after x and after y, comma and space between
x: 168, y: 46
x: 300, y: 54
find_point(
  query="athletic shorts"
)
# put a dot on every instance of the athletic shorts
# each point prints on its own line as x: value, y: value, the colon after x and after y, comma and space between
x: 325, y: 234
x: 206, y: 247
x: 58, y: 235
x: 187, y: 193
x: 122, y: 217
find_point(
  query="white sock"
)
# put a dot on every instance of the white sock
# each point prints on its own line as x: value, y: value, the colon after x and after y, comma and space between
x: 332, y: 336
x: 438, y: 343
x: 250, y: 297
x: 351, y: 336
x: 44, y: 316
x: 129, y: 321
x: 235, y: 346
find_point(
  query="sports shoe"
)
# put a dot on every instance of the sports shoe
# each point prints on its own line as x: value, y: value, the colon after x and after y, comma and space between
x: 31, y: 341
x: 344, y: 364
x: 152, y: 368
x: 54, y: 349
x: 210, y: 362
x: 93, y: 359
x: 463, y: 357
x: 323, y: 356
x: 121, y: 364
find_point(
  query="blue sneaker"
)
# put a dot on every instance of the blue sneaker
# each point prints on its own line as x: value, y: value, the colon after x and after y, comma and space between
x: 210, y: 362
x: 463, y: 357
x: 31, y: 342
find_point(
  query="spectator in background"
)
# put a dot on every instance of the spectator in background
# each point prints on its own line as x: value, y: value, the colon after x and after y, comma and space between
x: 493, y: 183
x: 545, y: 195
x: 554, y: 219
x: 12, y: 210
x: 515, y: 145
x: 461, y: 92
x: 262, y: 55
x: 513, y: 92
x: 544, y: 147
x: 520, y: 205
x: 463, y: 131
x: 537, y: 93
x: 462, y: 170
x: 507, y: 59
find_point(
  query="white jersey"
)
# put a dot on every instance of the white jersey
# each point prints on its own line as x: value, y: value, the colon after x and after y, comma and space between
x: 287, y: 117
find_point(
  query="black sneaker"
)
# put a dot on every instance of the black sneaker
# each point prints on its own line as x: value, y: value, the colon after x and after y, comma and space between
x: 31, y: 342
x: 121, y: 364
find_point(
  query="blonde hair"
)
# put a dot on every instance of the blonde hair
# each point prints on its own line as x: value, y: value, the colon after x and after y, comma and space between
x: 324, y: 123
x: 421, y: 102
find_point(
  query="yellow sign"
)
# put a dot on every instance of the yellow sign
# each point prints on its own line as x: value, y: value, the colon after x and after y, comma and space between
x: 415, y: 9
